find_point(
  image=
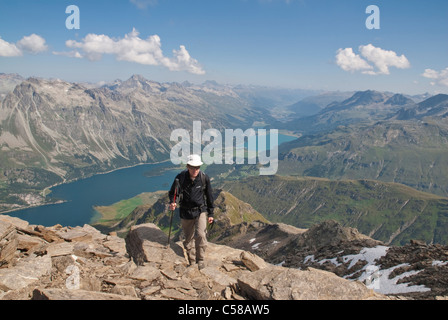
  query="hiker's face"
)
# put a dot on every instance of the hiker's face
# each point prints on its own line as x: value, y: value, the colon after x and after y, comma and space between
x: 194, y: 171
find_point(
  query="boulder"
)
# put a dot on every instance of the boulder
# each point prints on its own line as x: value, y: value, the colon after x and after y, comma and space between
x: 278, y: 283
x: 16, y: 222
x: 147, y: 243
x: 75, y: 235
x: 8, y: 242
x: 252, y: 261
x: 25, y: 272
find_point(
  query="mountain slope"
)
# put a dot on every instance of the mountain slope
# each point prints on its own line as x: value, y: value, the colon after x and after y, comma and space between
x: 388, y: 212
x: 231, y: 214
x: 436, y: 106
x: 414, y: 153
x: 63, y: 131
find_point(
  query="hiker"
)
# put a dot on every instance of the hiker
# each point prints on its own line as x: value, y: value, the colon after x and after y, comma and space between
x: 196, y: 208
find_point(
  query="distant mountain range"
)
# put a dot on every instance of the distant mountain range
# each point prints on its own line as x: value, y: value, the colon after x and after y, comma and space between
x: 359, y: 107
x: 371, y: 135
x: 53, y: 131
x: 436, y: 106
x: 405, y: 143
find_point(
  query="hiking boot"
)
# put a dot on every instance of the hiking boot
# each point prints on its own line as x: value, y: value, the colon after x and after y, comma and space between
x: 201, y: 265
x: 191, y: 258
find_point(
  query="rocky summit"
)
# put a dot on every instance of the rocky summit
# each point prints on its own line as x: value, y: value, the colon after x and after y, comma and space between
x: 81, y: 263
x: 414, y: 271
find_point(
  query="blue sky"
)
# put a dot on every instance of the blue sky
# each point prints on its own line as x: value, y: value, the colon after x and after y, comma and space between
x: 308, y: 44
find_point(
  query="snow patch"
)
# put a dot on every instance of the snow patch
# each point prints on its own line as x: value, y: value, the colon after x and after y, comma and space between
x: 374, y: 277
x: 439, y: 263
x: 366, y: 254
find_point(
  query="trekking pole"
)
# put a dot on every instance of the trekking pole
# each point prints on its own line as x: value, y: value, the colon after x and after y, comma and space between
x: 176, y: 186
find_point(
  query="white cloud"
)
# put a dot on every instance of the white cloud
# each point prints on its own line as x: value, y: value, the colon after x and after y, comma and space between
x: 134, y: 49
x: 380, y: 60
x: 31, y: 44
x: 183, y: 61
x: 349, y: 61
x: 440, y: 77
x: 9, y: 49
x: 383, y: 59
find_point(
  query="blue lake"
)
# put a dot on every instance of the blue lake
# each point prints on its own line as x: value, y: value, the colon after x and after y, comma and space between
x: 102, y: 190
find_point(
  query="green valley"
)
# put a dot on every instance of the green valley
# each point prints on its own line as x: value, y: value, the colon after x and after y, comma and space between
x: 407, y: 152
x: 389, y: 212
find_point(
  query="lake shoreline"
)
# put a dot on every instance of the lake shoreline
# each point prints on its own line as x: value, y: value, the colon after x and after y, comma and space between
x: 72, y: 202
x: 71, y: 181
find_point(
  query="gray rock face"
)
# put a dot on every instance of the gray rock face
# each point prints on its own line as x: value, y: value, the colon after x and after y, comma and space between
x: 60, y: 263
x: 414, y: 271
x: 278, y: 283
x: 102, y: 128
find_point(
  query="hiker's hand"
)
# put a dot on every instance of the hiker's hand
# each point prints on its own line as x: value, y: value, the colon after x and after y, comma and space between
x: 173, y: 206
x: 210, y: 220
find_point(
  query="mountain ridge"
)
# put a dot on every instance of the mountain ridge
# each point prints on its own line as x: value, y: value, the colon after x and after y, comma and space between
x: 62, y: 131
x: 362, y: 107
x: 436, y: 106
x: 413, y: 271
x: 407, y: 146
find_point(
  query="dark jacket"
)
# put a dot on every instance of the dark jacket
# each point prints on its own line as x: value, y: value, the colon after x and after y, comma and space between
x: 191, y: 195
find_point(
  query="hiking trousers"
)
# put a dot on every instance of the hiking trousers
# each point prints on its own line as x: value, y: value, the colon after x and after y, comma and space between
x: 195, y: 229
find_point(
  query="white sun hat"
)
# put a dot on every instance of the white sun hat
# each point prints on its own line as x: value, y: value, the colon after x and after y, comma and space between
x: 194, y: 160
